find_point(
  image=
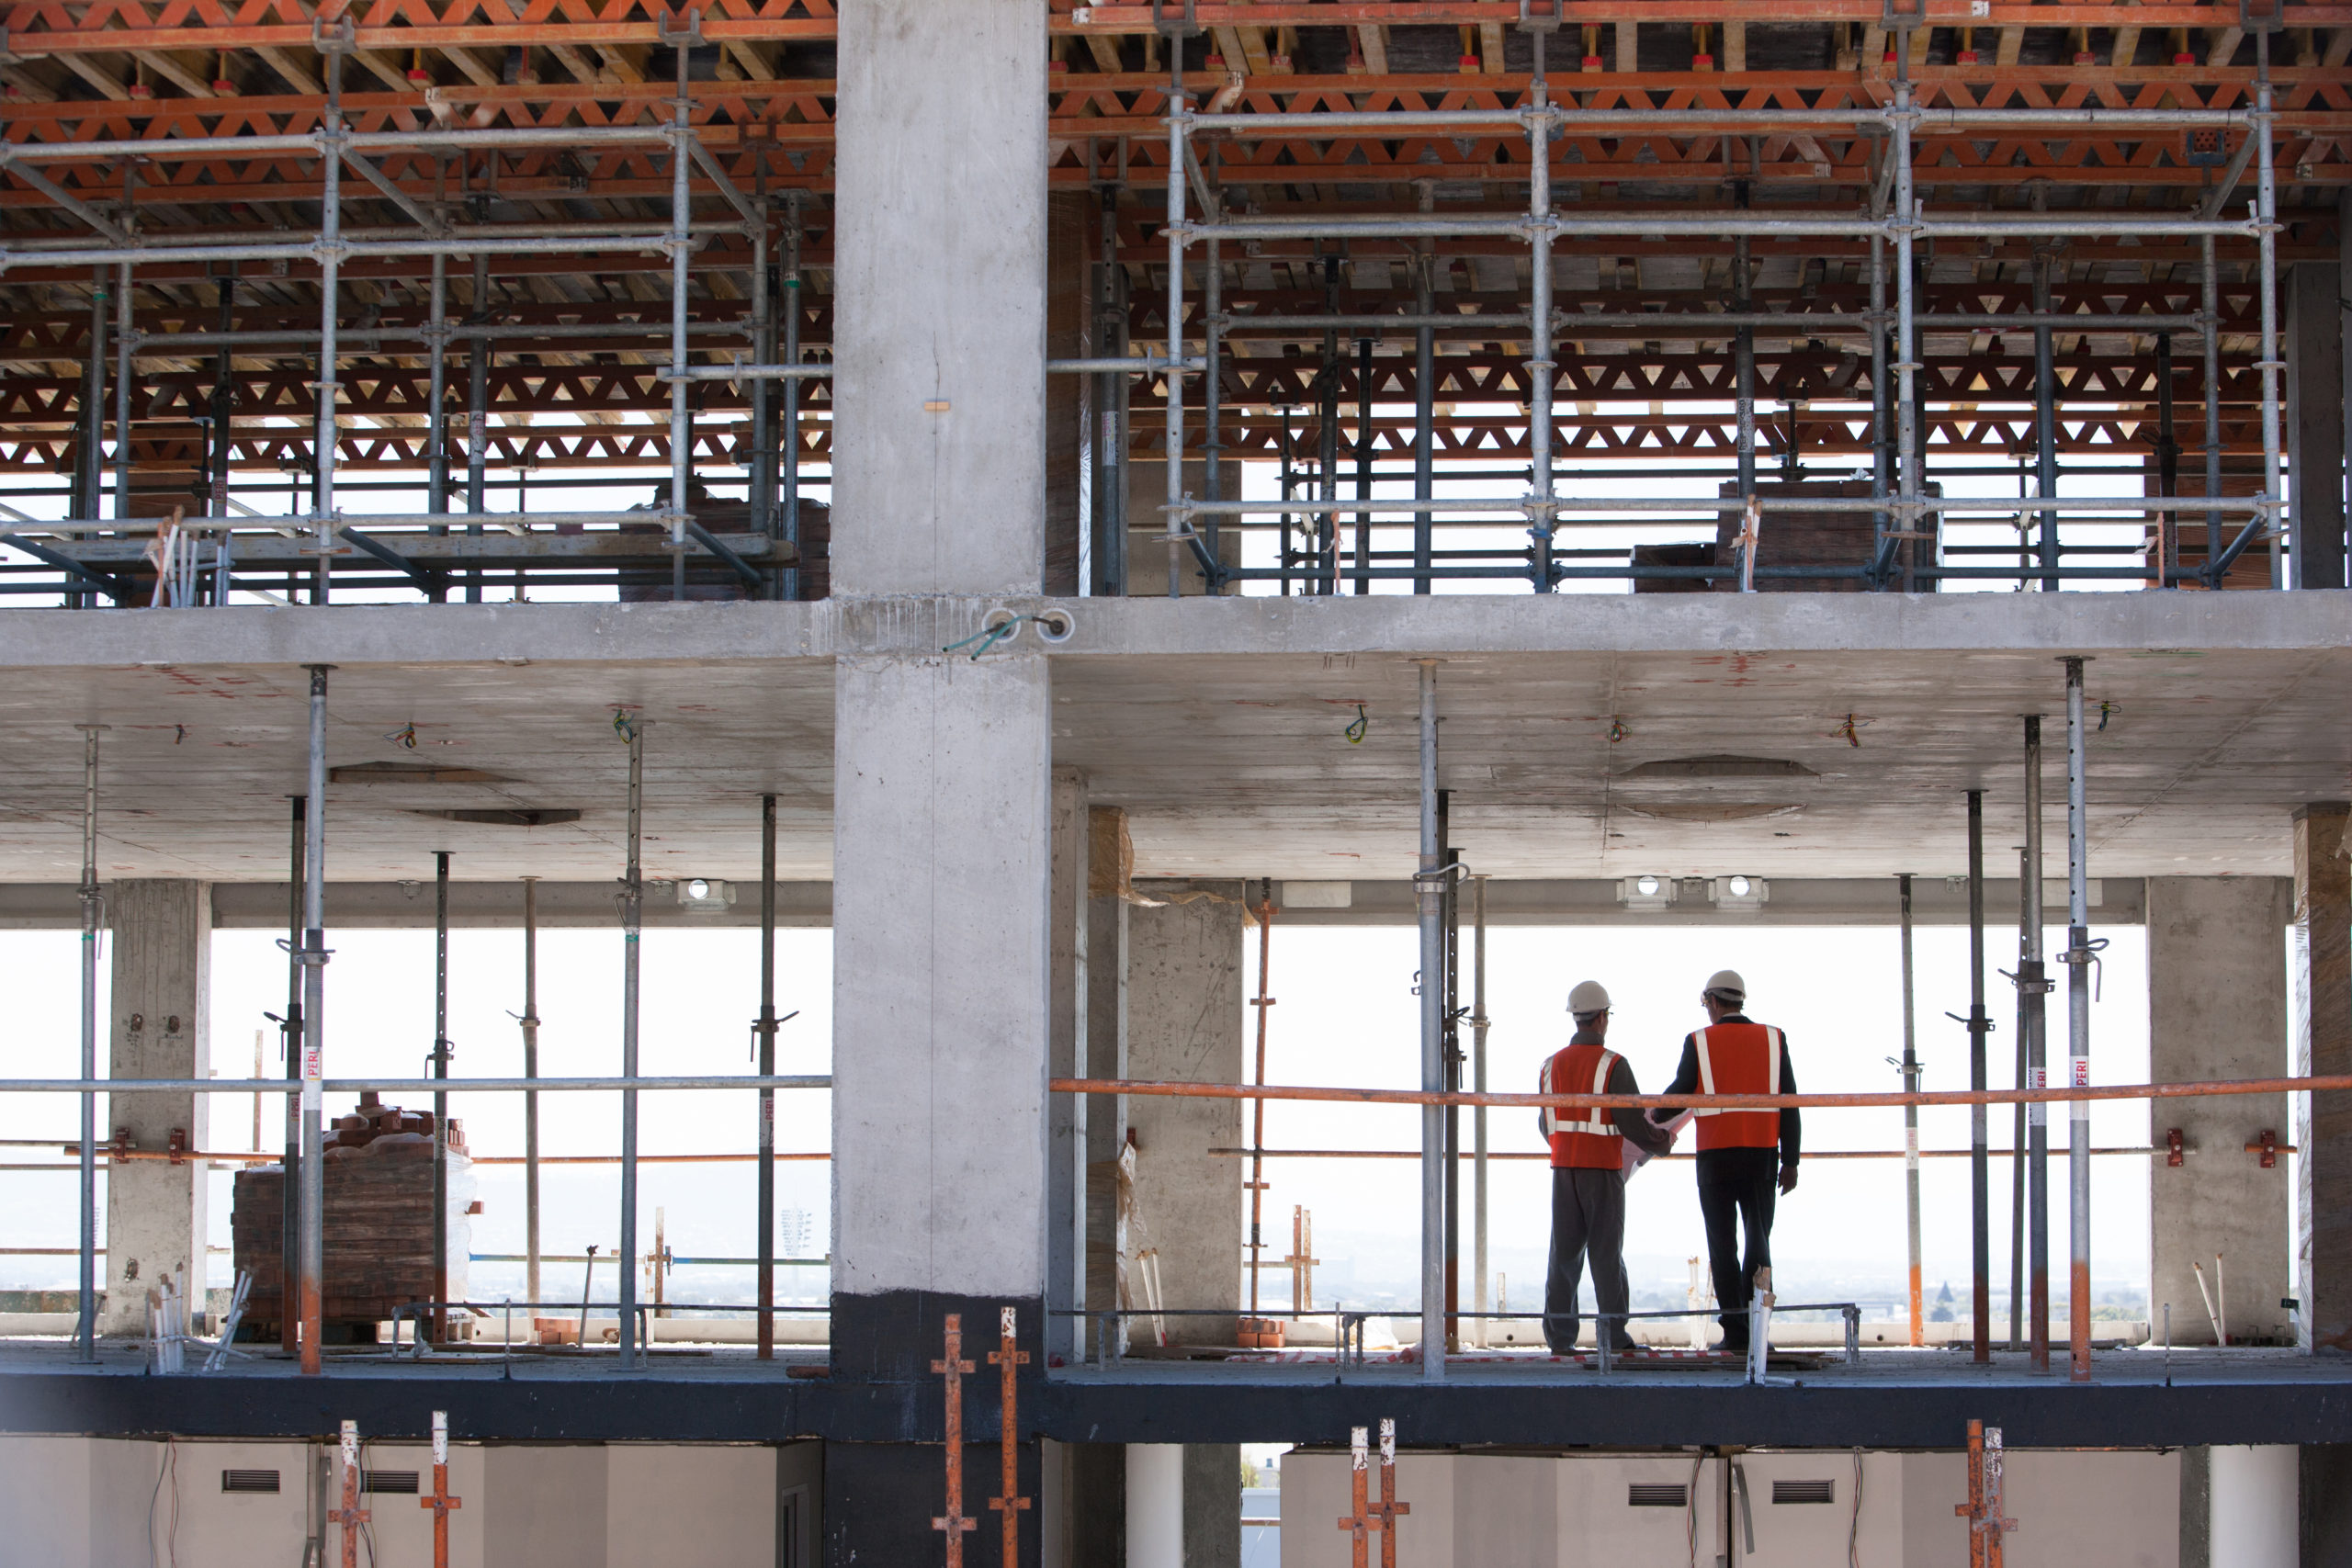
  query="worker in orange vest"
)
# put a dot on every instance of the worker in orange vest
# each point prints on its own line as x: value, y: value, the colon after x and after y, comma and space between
x: 1746, y: 1159
x: 1589, y: 1175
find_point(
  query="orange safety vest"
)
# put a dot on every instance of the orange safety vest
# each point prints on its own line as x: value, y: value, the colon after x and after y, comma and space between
x: 1585, y: 1138
x: 1738, y: 1058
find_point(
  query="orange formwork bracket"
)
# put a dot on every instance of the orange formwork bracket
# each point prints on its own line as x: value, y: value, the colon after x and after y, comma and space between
x: 1009, y: 1502
x: 441, y: 1501
x: 955, y: 1522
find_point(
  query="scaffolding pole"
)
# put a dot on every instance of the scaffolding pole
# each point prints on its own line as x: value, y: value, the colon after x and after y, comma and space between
x: 2080, y: 954
x: 314, y: 979
x: 1479, y: 1023
x: 86, y: 1319
x: 441, y: 1101
x: 530, y: 1022
x: 765, y: 1028
x: 632, y: 925
x: 1910, y: 1069
x: 2034, y: 986
x: 1429, y: 897
x: 1980, y: 1027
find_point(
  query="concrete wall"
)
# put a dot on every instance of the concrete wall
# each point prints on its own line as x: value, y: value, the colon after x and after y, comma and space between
x: 1184, y: 1022
x: 2119, y: 1510
x: 2217, y: 1008
x: 86, y: 1502
x: 2320, y: 969
x: 161, y: 936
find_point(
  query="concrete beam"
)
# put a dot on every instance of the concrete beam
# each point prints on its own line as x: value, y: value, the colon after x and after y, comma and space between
x: 2217, y: 1008
x: 158, y: 1022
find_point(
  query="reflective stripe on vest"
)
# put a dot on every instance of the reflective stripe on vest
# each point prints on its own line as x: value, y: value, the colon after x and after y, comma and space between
x: 1727, y: 1129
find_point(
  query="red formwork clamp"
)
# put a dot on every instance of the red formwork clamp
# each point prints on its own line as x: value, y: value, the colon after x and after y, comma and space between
x: 441, y: 1501
x: 1986, y: 1526
x: 955, y: 1522
x: 1390, y: 1509
x: 2175, y: 1149
x: 2266, y: 1145
x: 1360, y: 1519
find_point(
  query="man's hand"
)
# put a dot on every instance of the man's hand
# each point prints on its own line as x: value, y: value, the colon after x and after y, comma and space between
x: 1788, y: 1178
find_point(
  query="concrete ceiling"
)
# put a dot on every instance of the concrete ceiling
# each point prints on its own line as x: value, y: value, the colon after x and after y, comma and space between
x: 1221, y: 730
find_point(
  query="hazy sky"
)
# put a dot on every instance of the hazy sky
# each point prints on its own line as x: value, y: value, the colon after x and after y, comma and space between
x: 1346, y: 1015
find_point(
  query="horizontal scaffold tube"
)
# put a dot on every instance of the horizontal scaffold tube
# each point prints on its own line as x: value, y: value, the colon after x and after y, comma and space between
x: 402, y: 1086
x: 1161, y: 1088
x: 1995, y: 506
x: 1309, y: 122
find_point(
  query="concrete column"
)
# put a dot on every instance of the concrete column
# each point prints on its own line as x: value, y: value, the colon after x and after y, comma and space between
x: 1156, y: 1506
x: 2251, y: 1507
x: 2321, y: 970
x: 941, y: 846
x: 1070, y: 334
x: 1106, y: 1052
x: 162, y: 933
x: 2217, y: 1008
x: 1066, y: 1114
x: 2313, y: 345
x: 1185, y: 1008
x: 2324, y: 1501
x: 1212, y: 1505
x: 939, y: 258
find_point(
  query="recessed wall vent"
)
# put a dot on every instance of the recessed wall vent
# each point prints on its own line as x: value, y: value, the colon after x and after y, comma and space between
x: 388, y: 1480
x: 1657, y: 1495
x: 249, y: 1481
x: 510, y: 816
x: 1805, y: 1492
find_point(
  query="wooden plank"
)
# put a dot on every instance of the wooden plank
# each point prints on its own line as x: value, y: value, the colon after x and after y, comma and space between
x: 2012, y: 43
x: 1736, y: 46
x: 1373, y: 39
x: 1628, y: 52
x: 1490, y: 48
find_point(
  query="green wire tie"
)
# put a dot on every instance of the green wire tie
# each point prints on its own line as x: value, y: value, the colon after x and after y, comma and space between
x: 1354, y: 732
x: 989, y: 636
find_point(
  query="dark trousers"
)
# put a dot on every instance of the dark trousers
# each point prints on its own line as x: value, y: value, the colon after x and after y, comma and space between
x: 1587, y: 1219
x: 1736, y: 1189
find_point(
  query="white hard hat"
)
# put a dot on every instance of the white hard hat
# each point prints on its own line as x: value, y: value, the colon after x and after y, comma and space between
x: 1726, y: 983
x: 1589, y: 996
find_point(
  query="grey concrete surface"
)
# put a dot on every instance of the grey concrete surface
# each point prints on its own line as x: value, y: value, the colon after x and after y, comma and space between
x: 939, y: 269
x: 2320, y: 971
x: 2217, y: 1008
x: 1185, y: 1024
x: 940, y: 977
x: 159, y: 1026
x: 1219, y: 725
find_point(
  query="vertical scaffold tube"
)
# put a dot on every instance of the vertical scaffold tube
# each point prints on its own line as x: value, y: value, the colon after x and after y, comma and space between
x: 1430, y: 903
x: 315, y: 985
x: 530, y: 1021
x: 2267, y: 222
x: 632, y: 921
x: 2035, y: 989
x: 1213, y: 402
x: 1175, y: 523
x: 2209, y: 330
x: 2045, y: 416
x: 2023, y: 1076
x: 1539, y: 364
x: 85, y: 1318
x: 93, y: 467
x: 681, y: 431
x: 477, y: 356
x: 1881, y: 442
x: 2078, y: 1032
x: 291, y: 1037
x: 1980, y: 1027
x: 437, y: 398
x: 767, y: 1253
x: 122, y: 343
x: 790, y: 303
x: 761, y: 390
x: 440, y: 1097
x: 330, y: 266
x: 1424, y: 398
x: 1908, y: 435
x: 1478, y: 1022
x: 1910, y: 1118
